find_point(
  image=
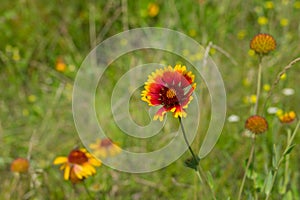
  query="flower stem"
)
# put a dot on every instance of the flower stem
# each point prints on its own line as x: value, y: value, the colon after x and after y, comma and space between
x: 87, y: 191
x: 196, y: 159
x: 258, y: 86
x: 255, y: 113
x: 247, y: 168
x: 186, y: 141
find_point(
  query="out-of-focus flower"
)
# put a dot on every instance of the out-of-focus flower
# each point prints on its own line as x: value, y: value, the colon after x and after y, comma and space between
x: 283, y: 76
x: 241, y: 34
x: 212, y: 51
x: 153, y: 9
x: 263, y: 43
x: 19, y: 165
x: 269, y: 5
x: 170, y: 88
x: 284, y: 22
x: 262, y: 20
x: 266, y: 87
x: 105, y: 147
x: 297, y: 4
x: 31, y: 98
x: 251, y: 52
x: 233, y: 118
x: 256, y: 124
x: 272, y: 110
x: 287, y: 117
x: 79, y: 164
x: 60, y: 65
x: 246, y: 82
x: 16, y: 54
x: 288, y: 91
x: 192, y: 32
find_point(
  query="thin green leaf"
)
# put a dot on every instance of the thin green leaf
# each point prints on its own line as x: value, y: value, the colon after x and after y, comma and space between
x: 289, y: 149
x: 269, y: 183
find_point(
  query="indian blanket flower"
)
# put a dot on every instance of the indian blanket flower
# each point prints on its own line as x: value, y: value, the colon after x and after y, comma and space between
x: 256, y: 124
x: 263, y: 43
x: 170, y: 88
x: 19, y: 165
x: 105, y: 147
x: 79, y: 164
x: 287, y: 117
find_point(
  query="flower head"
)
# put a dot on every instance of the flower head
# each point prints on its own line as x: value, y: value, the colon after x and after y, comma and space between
x: 105, y: 147
x: 170, y: 88
x: 287, y: 117
x: 20, y: 165
x: 78, y: 165
x: 256, y: 124
x: 153, y: 9
x: 263, y: 43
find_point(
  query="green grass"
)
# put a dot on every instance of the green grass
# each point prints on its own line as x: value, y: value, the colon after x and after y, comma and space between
x: 36, y: 100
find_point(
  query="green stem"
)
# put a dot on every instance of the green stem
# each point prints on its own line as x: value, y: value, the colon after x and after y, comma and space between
x: 258, y: 85
x: 289, y: 143
x: 247, y: 168
x: 186, y: 141
x: 87, y: 191
x: 196, y: 159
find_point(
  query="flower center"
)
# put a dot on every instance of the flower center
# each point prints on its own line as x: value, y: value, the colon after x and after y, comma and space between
x: 77, y: 157
x: 171, y: 93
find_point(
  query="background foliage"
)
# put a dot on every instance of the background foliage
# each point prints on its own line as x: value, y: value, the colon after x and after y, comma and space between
x: 36, y: 115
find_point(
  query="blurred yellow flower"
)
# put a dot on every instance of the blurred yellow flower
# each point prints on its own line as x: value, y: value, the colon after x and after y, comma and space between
x: 19, y: 165
x: 105, y: 147
x: 250, y: 99
x: 60, y: 65
x: 266, y: 87
x: 25, y: 112
x: 279, y: 112
x: 262, y: 20
x: 253, y: 99
x: 212, y: 51
x: 241, y: 34
x: 283, y: 76
x: 269, y: 5
x: 246, y: 82
x: 251, y: 52
x: 16, y: 54
x: 287, y: 117
x: 284, y: 22
x: 31, y: 98
x: 192, y: 32
x: 79, y: 164
x: 297, y: 4
x: 153, y: 9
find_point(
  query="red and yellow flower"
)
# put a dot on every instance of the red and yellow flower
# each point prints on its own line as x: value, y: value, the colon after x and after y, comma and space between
x: 78, y: 165
x: 287, y: 117
x: 263, y: 43
x: 256, y: 124
x: 170, y: 88
x: 105, y: 147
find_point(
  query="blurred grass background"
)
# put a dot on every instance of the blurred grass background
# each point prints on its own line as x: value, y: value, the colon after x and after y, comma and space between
x: 36, y: 115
